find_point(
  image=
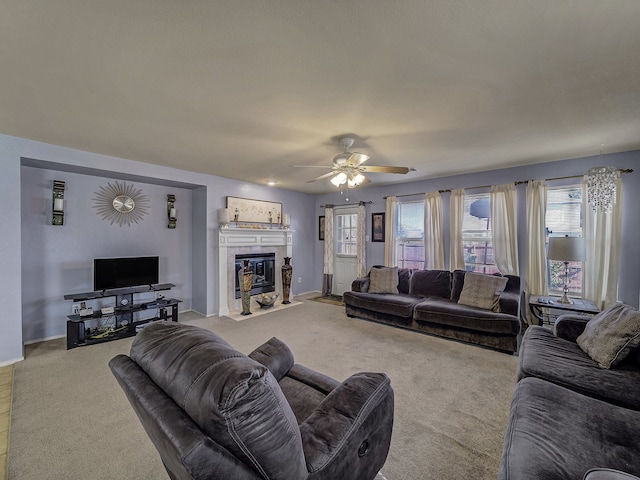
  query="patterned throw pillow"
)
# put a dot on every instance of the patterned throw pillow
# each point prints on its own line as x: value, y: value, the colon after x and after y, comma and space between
x: 482, y: 291
x: 383, y: 280
x: 611, y: 335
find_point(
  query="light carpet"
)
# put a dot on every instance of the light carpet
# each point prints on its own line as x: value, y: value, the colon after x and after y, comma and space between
x: 71, y: 420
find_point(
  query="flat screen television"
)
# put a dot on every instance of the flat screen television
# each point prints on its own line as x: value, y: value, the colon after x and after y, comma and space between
x: 109, y: 273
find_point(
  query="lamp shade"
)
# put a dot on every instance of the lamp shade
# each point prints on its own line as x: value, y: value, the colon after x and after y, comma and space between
x: 567, y: 249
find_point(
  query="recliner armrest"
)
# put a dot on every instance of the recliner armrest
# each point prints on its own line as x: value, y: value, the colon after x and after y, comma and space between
x: 608, y: 474
x: 570, y: 327
x: 360, y: 285
x: 350, y: 431
x: 275, y: 355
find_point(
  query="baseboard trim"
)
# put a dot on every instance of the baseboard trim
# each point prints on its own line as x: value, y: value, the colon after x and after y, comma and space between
x: 45, y: 339
x: 11, y: 362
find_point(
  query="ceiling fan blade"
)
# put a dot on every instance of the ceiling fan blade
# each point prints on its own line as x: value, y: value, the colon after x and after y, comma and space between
x: 322, y: 177
x: 383, y: 169
x: 357, y: 158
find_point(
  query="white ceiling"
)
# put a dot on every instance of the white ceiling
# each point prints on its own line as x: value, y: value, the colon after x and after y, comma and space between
x: 246, y: 88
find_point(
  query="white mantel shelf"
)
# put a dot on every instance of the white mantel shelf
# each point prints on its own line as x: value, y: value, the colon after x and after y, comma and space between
x: 245, y: 237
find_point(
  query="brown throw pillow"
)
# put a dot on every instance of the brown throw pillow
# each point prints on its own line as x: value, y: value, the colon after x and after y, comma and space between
x: 482, y: 291
x: 383, y: 280
x: 611, y: 335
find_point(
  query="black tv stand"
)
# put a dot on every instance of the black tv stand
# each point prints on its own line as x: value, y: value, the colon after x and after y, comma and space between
x: 99, y: 327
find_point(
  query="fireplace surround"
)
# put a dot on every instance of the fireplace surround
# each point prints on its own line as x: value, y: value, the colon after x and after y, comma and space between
x: 239, y: 241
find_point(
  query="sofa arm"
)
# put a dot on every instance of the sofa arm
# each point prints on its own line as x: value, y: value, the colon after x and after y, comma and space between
x: 360, y: 285
x: 348, y: 434
x: 570, y: 327
x: 608, y: 474
x: 509, y: 303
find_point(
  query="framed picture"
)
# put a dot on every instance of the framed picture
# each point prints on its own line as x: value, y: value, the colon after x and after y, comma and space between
x: 254, y: 211
x: 377, y: 227
x: 321, y: 227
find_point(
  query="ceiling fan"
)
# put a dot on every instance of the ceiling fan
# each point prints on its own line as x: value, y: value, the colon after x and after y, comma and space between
x: 348, y: 167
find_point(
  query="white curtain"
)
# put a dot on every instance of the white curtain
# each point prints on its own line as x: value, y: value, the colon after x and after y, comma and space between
x: 391, y: 213
x: 433, y: 242
x: 361, y: 260
x: 503, y: 227
x: 602, y: 234
x: 536, y: 281
x: 327, y: 277
x: 456, y: 214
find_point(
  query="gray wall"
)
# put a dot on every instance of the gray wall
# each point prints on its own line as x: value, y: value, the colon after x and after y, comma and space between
x: 629, y: 277
x: 58, y: 260
x: 41, y: 309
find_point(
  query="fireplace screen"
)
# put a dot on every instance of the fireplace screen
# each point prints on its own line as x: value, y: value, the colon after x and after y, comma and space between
x: 263, y: 267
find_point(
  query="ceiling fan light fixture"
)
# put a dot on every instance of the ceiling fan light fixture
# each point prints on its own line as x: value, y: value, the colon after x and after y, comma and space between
x: 356, y: 180
x: 339, y: 179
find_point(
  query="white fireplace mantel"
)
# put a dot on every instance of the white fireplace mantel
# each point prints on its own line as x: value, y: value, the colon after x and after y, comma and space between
x: 230, y: 238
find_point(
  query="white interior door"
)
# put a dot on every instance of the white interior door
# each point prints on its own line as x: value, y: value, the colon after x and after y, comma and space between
x: 345, y: 231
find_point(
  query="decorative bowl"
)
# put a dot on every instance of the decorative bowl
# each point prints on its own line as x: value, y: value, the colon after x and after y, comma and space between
x: 266, y: 300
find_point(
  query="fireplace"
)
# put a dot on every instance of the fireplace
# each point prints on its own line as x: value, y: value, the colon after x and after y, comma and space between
x: 263, y: 267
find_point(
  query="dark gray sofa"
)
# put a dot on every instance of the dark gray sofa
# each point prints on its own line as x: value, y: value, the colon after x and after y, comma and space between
x: 427, y: 302
x: 215, y: 413
x: 568, y: 415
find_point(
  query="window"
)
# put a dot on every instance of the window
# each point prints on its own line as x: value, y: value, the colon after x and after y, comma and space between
x: 410, y: 235
x: 564, y: 217
x: 476, y: 234
x: 347, y: 234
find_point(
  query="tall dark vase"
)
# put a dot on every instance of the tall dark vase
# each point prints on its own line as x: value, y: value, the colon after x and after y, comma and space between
x: 287, y: 271
x: 246, y: 280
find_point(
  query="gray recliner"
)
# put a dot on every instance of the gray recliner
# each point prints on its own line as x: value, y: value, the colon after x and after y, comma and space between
x: 215, y: 413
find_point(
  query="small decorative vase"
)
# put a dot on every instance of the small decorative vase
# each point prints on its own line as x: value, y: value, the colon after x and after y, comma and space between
x: 245, y: 288
x: 287, y: 271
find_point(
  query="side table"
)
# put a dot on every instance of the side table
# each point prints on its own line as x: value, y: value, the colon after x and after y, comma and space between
x: 538, y: 302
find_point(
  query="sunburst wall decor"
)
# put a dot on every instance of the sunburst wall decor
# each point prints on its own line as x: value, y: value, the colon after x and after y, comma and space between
x: 121, y: 203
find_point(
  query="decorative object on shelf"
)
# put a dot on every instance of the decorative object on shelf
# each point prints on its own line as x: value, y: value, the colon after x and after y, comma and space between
x: 171, y: 211
x: 253, y: 211
x: 601, y: 188
x: 121, y: 203
x: 566, y: 249
x: 286, y: 221
x: 287, y: 272
x: 58, y: 203
x: 245, y: 288
x: 377, y: 227
x: 321, y: 228
x: 223, y: 217
x: 267, y: 300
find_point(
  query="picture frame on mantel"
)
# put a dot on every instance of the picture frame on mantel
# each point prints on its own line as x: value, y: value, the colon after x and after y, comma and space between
x: 254, y: 211
x: 377, y: 227
x: 321, y: 228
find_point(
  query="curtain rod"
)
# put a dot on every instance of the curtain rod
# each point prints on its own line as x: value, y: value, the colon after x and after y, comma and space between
x: 622, y: 170
x: 347, y: 204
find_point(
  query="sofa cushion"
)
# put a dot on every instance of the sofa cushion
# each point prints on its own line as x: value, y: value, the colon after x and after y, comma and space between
x: 389, y: 304
x: 457, y: 282
x: 431, y: 283
x: 404, y: 277
x: 563, y: 362
x: 383, y: 280
x: 482, y: 291
x: 231, y: 397
x: 556, y: 433
x: 446, y: 312
x: 611, y: 335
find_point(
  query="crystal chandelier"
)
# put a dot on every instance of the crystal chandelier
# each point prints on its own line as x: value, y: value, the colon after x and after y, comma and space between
x: 601, y: 188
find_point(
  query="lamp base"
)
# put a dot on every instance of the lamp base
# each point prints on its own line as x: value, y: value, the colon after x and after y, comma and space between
x: 565, y: 299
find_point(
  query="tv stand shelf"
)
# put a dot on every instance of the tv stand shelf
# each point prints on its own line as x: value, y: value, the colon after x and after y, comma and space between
x: 99, y: 327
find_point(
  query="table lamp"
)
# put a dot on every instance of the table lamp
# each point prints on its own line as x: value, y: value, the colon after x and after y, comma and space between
x: 566, y: 249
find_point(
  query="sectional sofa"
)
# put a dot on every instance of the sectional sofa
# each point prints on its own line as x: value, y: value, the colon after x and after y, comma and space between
x: 576, y: 406
x: 484, y: 312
